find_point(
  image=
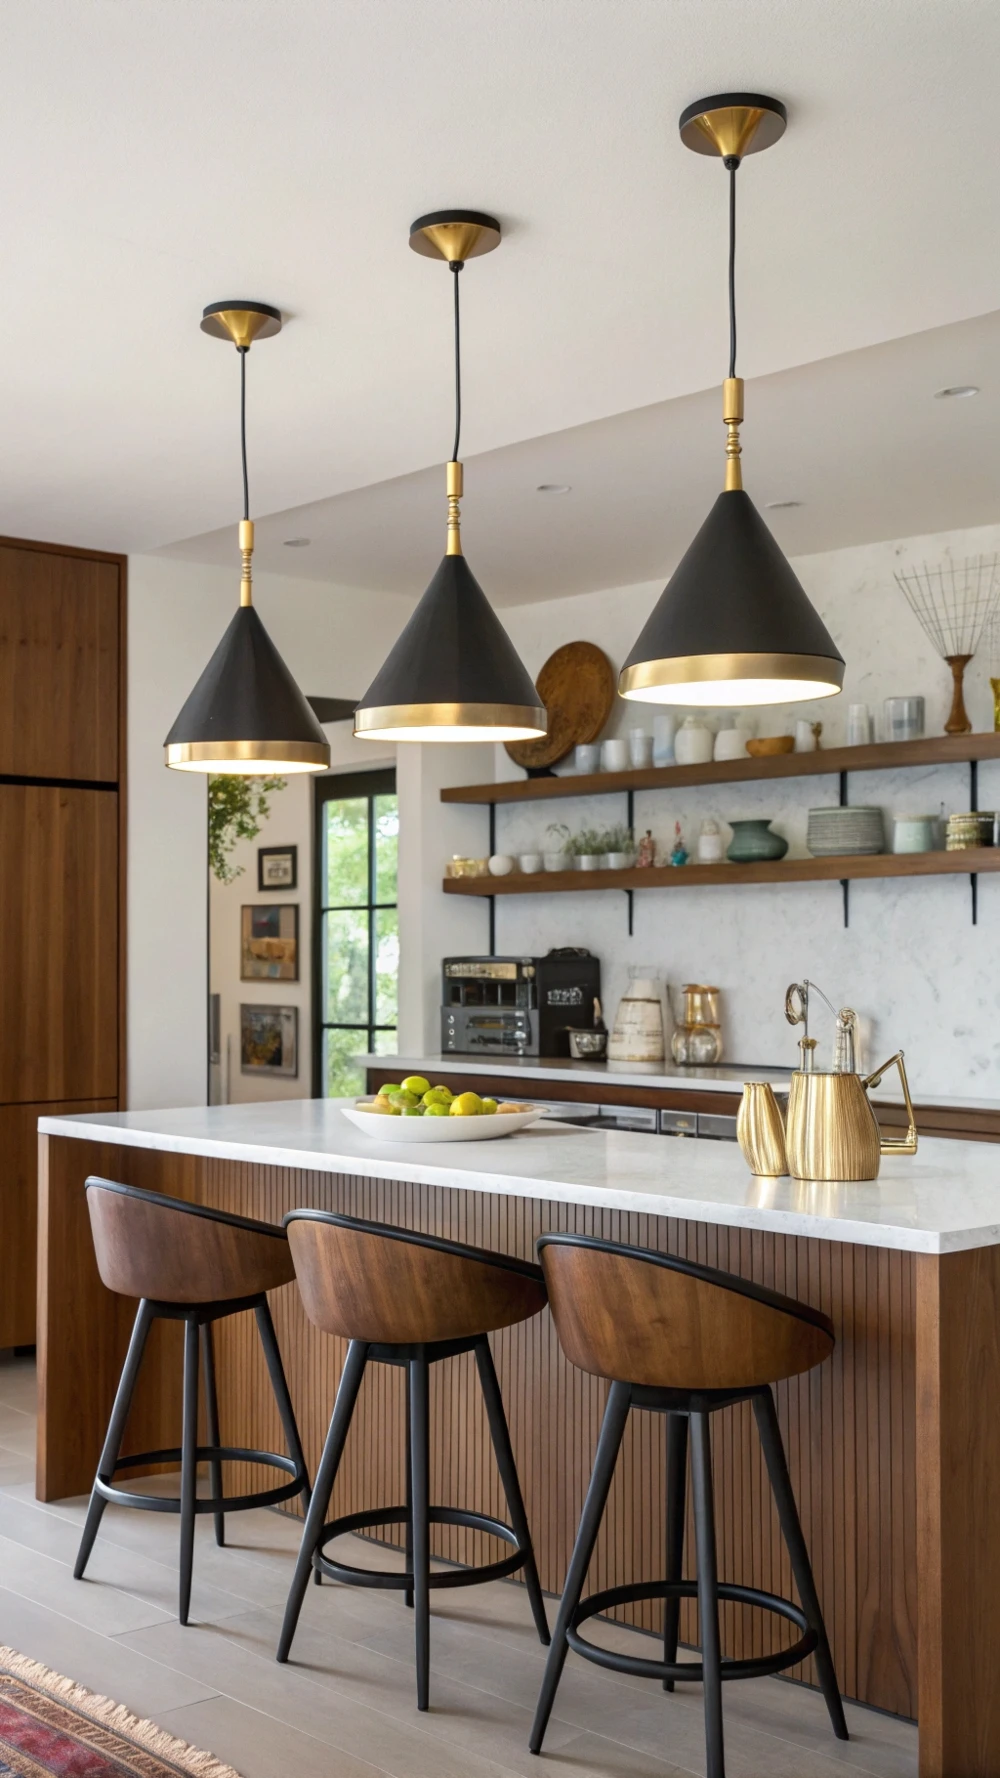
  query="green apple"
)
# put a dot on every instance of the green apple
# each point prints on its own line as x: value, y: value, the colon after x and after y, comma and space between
x: 416, y: 1084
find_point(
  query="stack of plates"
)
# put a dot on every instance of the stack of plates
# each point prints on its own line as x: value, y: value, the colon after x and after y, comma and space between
x: 849, y: 833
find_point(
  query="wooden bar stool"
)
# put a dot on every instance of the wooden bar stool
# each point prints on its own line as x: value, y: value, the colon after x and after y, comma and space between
x: 412, y: 1300
x: 187, y: 1263
x: 683, y: 1340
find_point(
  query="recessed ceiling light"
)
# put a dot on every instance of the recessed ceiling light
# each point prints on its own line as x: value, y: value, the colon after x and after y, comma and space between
x: 780, y: 505
x: 297, y: 542
x: 553, y: 488
x: 956, y: 392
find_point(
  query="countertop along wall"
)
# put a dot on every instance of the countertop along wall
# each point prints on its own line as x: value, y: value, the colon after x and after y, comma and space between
x: 333, y: 639
x: 911, y: 962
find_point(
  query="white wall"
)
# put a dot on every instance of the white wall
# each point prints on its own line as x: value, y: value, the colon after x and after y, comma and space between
x: 910, y: 960
x: 291, y: 822
x: 334, y: 639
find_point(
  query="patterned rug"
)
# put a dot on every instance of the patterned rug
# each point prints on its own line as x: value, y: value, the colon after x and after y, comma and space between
x: 50, y: 1726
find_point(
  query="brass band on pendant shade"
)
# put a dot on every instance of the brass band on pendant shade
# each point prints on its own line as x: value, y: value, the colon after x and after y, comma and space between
x: 454, y: 674
x: 246, y: 716
x: 734, y: 624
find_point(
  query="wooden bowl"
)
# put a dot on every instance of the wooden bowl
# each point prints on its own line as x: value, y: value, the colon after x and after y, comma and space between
x: 765, y: 745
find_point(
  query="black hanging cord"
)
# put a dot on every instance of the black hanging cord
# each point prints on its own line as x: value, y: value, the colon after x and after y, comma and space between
x: 732, y: 163
x: 456, y: 266
x: 243, y: 350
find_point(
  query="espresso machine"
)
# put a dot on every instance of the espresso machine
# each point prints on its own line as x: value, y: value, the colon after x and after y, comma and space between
x: 518, y: 1006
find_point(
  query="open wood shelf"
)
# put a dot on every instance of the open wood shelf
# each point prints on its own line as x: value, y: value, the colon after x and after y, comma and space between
x: 880, y: 756
x: 698, y: 876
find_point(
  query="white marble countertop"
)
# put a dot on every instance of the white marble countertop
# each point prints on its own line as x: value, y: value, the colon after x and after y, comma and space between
x: 726, y: 1078
x: 944, y: 1199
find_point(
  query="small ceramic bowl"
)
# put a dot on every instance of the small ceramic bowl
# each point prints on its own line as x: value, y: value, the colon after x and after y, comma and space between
x: 501, y: 865
x: 584, y: 1045
x: 530, y: 862
x: 763, y: 746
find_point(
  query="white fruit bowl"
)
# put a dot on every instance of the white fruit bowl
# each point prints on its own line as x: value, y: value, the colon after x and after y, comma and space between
x: 485, y: 1128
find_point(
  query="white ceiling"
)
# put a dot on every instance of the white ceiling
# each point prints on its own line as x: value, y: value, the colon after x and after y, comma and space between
x: 159, y: 156
x: 859, y: 440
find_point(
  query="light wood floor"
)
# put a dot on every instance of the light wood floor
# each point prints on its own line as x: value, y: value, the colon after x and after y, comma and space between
x: 344, y: 1706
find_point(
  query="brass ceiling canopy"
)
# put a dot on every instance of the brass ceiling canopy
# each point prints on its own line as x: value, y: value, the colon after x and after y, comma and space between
x: 454, y: 235
x: 733, y: 124
x: 241, y: 322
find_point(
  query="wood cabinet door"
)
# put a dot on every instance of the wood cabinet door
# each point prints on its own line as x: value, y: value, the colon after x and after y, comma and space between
x: 59, y: 628
x: 19, y: 1212
x: 59, y: 952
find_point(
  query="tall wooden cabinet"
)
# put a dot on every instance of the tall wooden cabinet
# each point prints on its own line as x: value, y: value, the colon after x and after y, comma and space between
x: 62, y: 785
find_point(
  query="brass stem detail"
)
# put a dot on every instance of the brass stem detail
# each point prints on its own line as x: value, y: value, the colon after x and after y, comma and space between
x: 246, y: 551
x: 732, y: 414
x: 454, y: 487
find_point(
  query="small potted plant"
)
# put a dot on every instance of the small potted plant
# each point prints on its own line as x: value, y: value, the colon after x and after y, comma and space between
x: 587, y: 849
x: 619, y: 848
x: 555, y: 856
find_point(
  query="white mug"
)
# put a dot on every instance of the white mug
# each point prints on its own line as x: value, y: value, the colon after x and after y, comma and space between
x: 805, y: 740
x: 640, y: 748
x: 614, y: 754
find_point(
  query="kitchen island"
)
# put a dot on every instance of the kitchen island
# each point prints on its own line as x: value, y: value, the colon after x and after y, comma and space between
x: 894, y: 1446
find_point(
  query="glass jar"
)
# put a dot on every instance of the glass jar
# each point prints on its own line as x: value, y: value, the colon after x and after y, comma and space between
x: 697, y: 1038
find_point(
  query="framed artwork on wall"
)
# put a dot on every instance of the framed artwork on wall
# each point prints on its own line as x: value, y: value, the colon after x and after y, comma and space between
x: 269, y: 1040
x: 269, y: 943
x: 277, y: 867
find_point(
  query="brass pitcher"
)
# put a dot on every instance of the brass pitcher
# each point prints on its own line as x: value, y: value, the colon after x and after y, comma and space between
x: 830, y: 1128
x: 829, y: 1132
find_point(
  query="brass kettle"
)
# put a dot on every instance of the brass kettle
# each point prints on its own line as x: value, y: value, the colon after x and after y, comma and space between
x: 829, y: 1131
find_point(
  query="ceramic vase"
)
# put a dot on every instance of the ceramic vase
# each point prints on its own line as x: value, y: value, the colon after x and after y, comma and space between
x: 753, y: 841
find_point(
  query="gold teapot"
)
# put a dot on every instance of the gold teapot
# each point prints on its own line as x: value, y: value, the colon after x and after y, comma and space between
x: 829, y: 1131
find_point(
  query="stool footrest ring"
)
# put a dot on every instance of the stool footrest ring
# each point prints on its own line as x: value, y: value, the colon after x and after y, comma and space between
x: 752, y: 1668
x: 205, y: 1503
x: 402, y: 1579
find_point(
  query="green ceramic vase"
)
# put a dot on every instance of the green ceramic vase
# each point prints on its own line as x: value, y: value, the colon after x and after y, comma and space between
x: 753, y: 841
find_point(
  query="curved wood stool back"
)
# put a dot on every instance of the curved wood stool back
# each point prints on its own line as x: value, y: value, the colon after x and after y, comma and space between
x: 412, y: 1300
x: 684, y: 1340
x: 188, y: 1263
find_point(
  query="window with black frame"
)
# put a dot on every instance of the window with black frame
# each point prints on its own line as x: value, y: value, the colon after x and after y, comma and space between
x: 357, y: 928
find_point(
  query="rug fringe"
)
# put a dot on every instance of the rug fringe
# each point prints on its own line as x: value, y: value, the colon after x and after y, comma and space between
x: 115, y: 1717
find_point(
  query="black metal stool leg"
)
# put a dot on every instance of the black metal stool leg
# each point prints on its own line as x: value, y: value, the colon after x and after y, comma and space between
x: 708, y: 1598
x: 279, y: 1384
x: 677, y: 1452
x: 420, y: 1473
x: 791, y: 1529
x: 500, y: 1434
x: 608, y: 1446
x: 312, y: 1531
x: 115, y: 1434
x: 212, y: 1425
x: 408, y: 1594
x: 189, y: 1465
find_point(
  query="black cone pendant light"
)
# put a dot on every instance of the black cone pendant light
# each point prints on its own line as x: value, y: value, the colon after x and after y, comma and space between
x: 734, y: 624
x: 454, y: 674
x: 246, y: 715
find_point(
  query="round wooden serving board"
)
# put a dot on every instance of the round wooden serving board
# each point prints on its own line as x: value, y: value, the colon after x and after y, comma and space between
x: 577, y: 687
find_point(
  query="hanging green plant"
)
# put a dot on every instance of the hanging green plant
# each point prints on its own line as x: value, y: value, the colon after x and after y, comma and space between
x: 236, y: 809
